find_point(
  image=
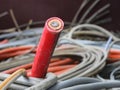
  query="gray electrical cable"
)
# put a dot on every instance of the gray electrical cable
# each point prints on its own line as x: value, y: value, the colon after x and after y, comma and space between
x: 45, y: 84
x: 92, y: 58
x: 27, y: 41
x: 72, y: 82
x: 101, y: 15
x: 114, y: 42
x: 106, y: 20
x: 88, y: 10
x: 15, y: 21
x: 3, y: 14
x: 7, y: 82
x: 17, y: 62
x: 29, y: 32
x: 112, y: 76
x: 89, y: 33
x: 97, y: 12
x: 95, y: 86
x: 89, y: 26
x: 16, y: 86
x: 84, y: 3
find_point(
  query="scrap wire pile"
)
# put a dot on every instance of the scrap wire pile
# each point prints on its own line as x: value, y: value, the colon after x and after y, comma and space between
x: 73, y: 58
x: 86, y: 56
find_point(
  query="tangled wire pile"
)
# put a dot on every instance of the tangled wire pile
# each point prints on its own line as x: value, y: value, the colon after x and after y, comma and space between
x: 73, y: 59
x: 87, y: 56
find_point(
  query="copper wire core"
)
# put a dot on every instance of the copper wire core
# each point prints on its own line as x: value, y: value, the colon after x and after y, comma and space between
x: 54, y: 24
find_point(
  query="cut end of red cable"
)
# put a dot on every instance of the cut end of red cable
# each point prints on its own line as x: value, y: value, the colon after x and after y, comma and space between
x: 55, y: 24
x: 52, y: 29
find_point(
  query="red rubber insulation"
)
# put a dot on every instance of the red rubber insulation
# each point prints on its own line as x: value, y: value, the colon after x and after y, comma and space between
x: 46, y: 46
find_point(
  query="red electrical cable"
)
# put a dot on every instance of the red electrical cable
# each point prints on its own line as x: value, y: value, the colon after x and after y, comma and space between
x: 12, y: 70
x: 62, y: 62
x: 46, y: 46
x: 4, y: 41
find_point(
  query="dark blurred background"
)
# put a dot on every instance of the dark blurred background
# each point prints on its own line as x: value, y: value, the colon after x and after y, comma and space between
x: 40, y: 10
